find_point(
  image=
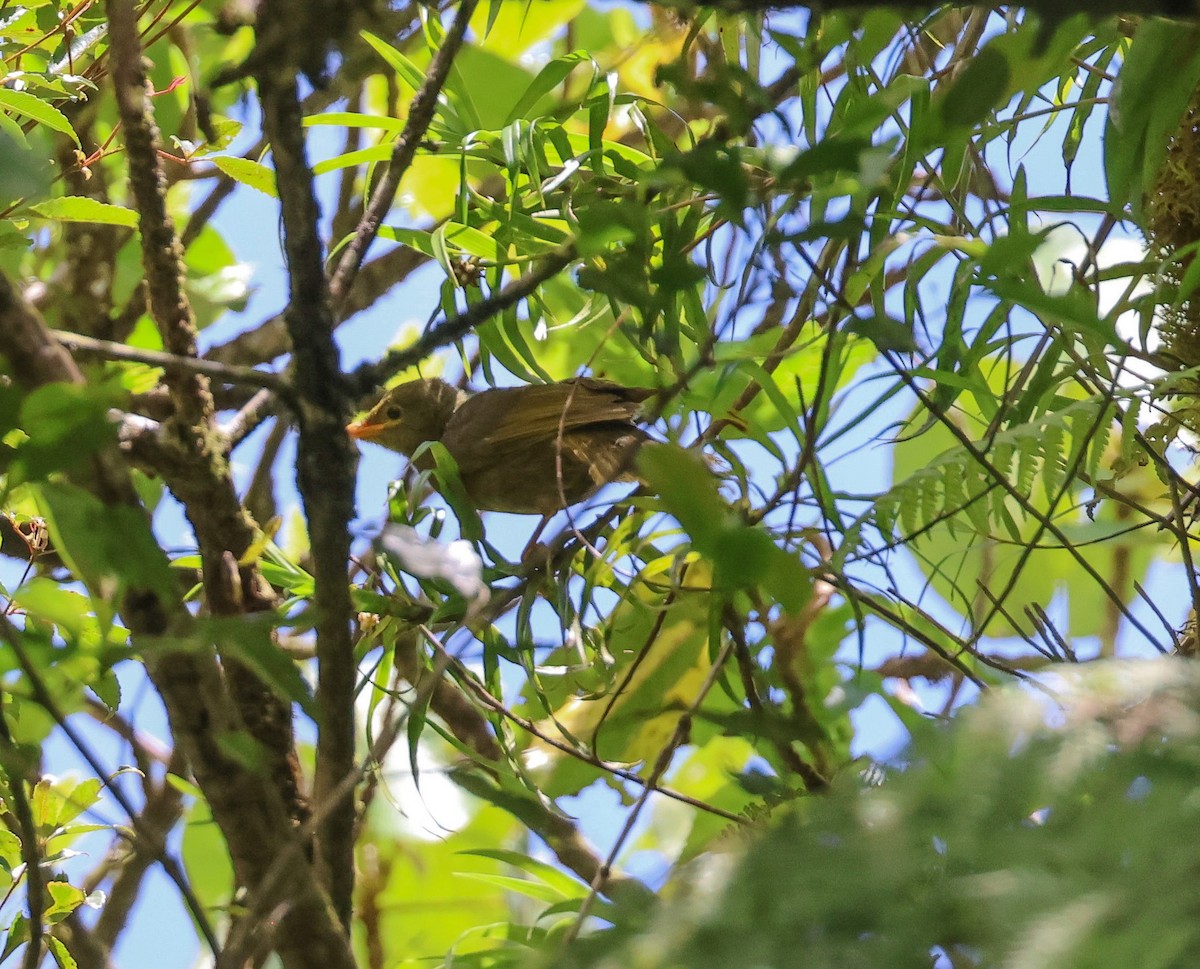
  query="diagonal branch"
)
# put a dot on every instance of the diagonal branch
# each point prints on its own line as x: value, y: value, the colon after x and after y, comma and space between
x: 420, y: 116
x: 369, y: 376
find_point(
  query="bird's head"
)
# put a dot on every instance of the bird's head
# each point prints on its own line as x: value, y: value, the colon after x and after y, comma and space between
x: 408, y: 415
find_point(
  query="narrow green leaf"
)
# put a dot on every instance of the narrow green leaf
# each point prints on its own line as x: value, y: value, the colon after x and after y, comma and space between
x: 363, y: 156
x: 249, y: 639
x: 405, y: 69
x: 563, y: 883
x: 548, y: 78
x: 353, y: 119
x: 978, y: 89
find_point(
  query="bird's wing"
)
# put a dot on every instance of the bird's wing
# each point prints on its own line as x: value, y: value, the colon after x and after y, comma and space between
x: 520, y: 416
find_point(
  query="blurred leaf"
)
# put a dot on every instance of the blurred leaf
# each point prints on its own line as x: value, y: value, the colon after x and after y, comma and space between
x: 1157, y: 80
x: 71, y: 613
x: 104, y: 541
x: 1010, y: 839
x: 660, y: 660
x: 83, y: 209
x: 888, y: 335
x: 689, y: 492
x: 66, y: 425
x: 206, y: 855
x: 981, y: 86
x: 250, y: 640
x: 562, y: 884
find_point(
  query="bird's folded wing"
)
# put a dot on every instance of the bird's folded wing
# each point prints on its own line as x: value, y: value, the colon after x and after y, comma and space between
x: 539, y: 413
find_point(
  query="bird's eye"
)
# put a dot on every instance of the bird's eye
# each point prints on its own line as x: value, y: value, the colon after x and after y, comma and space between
x: 393, y: 413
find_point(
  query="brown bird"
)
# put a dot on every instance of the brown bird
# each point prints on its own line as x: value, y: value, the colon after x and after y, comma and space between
x: 530, y: 450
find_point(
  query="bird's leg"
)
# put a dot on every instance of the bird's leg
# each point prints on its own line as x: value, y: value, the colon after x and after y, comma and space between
x: 532, y: 546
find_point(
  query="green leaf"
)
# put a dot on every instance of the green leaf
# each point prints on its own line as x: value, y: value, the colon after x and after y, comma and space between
x: 746, y: 556
x: 604, y: 225
x: 27, y: 174
x: 1073, y: 310
x: 412, y: 75
x: 548, y: 78
x: 689, y: 492
x: 349, y: 159
x: 78, y: 208
x: 66, y: 424
x: 451, y: 488
x: 837, y: 153
x: 352, y: 119
x: 62, y: 956
x: 50, y: 602
x: 107, y: 689
x: 104, y: 542
x: 1157, y: 80
x: 204, y: 850
x: 521, y: 886
x: 888, y: 335
x: 978, y: 89
x: 26, y: 105
x: 418, y: 239
x: 565, y: 885
x: 18, y: 934
x: 249, y: 173
x: 249, y: 639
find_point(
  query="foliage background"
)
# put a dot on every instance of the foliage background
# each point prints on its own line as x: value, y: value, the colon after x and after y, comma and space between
x: 887, y: 274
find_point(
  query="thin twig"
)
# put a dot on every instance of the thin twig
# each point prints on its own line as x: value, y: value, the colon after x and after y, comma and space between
x: 41, y: 693
x: 110, y: 350
x: 420, y: 116
x: 498, y: 706
x: 369, y: 376
x: 678, y: 736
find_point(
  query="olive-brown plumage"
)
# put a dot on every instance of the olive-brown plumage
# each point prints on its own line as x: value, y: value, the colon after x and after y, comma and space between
x: 528, y: 450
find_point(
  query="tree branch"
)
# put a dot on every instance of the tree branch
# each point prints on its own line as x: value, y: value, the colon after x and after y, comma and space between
x: 162, y: 254
x: 251, y: 814
x: 326, y: 462
x: 227, y: 373
x: 16, y: 773
x: 370, y: 375
x: 193, y: 461
x: 420, y: 115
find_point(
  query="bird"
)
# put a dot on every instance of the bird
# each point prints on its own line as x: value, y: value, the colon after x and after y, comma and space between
x: 529, y: 450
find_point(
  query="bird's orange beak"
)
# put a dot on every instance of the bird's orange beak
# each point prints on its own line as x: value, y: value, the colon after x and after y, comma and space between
x: 362, y: 431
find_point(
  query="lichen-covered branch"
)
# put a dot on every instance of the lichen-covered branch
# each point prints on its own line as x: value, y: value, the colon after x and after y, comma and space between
x: 326, y: 459
x: 195, y: 465
x: 251, y: 814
